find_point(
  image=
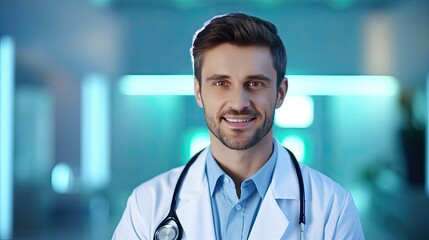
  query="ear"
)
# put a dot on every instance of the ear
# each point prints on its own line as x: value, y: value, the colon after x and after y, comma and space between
x: 197, y: 91
x: 282, y: 90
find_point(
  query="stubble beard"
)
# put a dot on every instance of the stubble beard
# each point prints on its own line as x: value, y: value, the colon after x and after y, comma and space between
x: 239, y: 142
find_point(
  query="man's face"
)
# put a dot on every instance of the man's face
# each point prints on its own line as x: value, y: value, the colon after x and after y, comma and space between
x: 239, y: 94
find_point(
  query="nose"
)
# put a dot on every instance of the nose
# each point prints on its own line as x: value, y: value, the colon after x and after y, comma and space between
x: 239, y: 99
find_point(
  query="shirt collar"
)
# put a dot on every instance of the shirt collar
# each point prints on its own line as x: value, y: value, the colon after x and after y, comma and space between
x: 261, y: 179
x: 213, y: 171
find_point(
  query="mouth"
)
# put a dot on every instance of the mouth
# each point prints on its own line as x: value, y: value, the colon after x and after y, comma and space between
x: 239, y: 122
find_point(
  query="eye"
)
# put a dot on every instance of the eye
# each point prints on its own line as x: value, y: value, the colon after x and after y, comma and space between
x: 219, y: 83
x: 256, y: 84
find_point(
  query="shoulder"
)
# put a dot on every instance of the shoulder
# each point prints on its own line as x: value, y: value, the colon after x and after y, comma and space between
x: 150, y: 202
x: 152, y: 198
x: 161, y: 184
x: 159, y: 190
x: 321, y: 186
x: 145, y: 206
x: 327, y: 197
x: 320, y: 180
x: 316, y: 184
x: 334, y: 204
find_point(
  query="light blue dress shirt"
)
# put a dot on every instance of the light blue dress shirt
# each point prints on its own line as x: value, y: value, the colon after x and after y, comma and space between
x: 234, y: 217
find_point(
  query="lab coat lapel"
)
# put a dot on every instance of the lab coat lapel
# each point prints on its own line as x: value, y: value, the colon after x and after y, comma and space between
x: 194, y: 208
x: 271, y: 222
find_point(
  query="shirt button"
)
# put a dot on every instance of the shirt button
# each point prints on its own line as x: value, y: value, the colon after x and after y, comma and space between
x: 226, y: 180
x: 238, y: 207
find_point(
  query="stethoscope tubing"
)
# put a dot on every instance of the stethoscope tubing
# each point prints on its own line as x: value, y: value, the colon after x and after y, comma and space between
x: 172, y: 216
x: 301, y: 188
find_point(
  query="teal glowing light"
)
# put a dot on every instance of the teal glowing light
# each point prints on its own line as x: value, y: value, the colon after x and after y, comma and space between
x: 427, y: 137
x: 157, y: 85
x: 62, y: 178
x: 266, y: 3
x: 194, y: 141
x: 185, y: 3
x: 7, y: 60
x: 95, y: 136
x: 199, y: 140
x: 296, y: 112
x: 313, y: 85
x: 296, y: 145
x: 342, y: 4
x: 343, y: 85
x: 101, y: 3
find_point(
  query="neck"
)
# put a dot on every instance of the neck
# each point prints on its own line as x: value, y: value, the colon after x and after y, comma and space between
x: 241, y: 164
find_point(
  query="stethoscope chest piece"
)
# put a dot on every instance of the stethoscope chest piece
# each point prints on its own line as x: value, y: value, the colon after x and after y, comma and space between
x: 166, y: 232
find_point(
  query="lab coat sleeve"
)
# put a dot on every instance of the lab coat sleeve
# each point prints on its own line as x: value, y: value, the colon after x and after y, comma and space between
x: 130, y: 222
x: 349, y: 225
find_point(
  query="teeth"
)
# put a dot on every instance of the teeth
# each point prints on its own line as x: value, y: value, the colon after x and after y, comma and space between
x: 238, y: 120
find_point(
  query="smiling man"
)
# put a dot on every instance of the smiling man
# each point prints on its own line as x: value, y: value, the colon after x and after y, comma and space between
x: 245, y: 185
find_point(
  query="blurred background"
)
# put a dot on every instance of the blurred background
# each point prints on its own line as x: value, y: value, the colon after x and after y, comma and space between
x: 96, y: 97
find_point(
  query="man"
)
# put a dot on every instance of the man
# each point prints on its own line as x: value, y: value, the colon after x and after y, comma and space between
x: 244, y: 185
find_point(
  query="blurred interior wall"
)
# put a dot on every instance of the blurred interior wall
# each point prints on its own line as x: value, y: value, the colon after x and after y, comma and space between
x: 59, y: 43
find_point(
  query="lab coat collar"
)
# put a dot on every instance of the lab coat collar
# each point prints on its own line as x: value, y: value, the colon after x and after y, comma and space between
x: 284, y: 186
x: 194, y: 207
x: 271, y: 222
x: 285, y: 180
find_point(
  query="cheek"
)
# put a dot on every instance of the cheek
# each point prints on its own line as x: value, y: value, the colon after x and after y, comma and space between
x: 266, y: 104
x: 212, y: 99
x: 210, y: 105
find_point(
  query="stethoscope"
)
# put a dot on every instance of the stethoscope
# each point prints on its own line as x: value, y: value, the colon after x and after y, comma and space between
x: 171, y: 229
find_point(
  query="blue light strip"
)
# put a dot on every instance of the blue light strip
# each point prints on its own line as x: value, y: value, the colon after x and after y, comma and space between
x: 7, y: 60
x: 316, y: 85
x: 95, y: 135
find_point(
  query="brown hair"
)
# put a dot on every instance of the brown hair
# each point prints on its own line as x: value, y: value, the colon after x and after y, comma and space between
x: 241, y: 30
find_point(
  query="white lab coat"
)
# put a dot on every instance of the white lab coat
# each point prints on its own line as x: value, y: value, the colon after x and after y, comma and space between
x: 330, y: 210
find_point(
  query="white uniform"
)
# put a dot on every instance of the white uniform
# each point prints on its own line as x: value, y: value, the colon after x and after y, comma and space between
x: 329, y: 209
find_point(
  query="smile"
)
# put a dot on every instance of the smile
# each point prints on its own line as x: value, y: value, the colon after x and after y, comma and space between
x: 238, y: 120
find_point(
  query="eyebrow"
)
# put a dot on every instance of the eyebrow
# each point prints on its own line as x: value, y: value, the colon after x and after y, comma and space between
x: 259, y: 77
x: 217, y: 77
x: 223, y: 76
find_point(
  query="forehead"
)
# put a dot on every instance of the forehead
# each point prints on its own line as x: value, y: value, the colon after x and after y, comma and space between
x: 238, y: 60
